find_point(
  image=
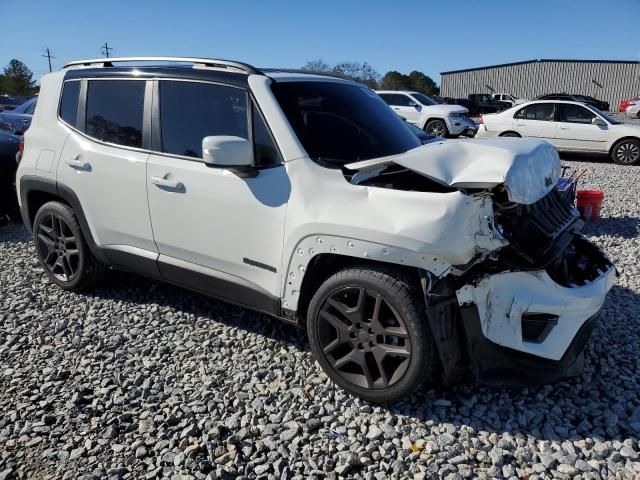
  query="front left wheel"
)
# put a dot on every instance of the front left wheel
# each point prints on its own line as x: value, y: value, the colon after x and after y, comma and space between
x: 368, y: 331
x: 437, y: 128
x: 62, y: 249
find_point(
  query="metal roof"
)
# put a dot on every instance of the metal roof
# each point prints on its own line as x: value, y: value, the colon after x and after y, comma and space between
x: 539, y: 60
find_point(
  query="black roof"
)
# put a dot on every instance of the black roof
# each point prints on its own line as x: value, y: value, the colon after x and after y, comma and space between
x: 539, y: 60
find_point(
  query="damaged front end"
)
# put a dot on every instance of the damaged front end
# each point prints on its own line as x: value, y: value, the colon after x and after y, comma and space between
x: 522, y: 315
x: 521, y: 310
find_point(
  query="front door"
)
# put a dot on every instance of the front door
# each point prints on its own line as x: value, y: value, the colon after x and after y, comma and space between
x: 219, y: 222
x: 406, y: 107
x: 576, y: 132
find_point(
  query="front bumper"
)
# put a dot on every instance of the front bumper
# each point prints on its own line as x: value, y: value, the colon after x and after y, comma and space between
x: 503, y: 299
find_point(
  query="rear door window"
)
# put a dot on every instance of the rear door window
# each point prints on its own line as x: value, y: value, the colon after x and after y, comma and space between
x: 540, y: 111
x: 115, y: 110
x: 191, y: 111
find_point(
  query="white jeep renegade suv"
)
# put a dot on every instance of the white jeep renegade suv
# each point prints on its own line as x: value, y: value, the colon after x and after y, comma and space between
x: 305, y: 197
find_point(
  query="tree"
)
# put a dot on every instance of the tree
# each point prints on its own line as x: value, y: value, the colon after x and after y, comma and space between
x: 360, y: 72
x: 395, y: 81
x: 18, y: 79
x: 317, y: 66
x: 416, y: 81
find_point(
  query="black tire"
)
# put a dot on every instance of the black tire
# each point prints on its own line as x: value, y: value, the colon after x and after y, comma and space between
x: 397, y: 361
x: 626, y: 152
x: 58, y: 238
x: 436, y: 127
x: 511, y: 134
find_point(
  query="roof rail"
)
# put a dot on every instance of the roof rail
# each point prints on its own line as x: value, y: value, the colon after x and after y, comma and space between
x: 196, y: 62
x: 308, y: 72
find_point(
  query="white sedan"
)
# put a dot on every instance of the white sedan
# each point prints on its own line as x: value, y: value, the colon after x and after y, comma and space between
x: 569, y: 126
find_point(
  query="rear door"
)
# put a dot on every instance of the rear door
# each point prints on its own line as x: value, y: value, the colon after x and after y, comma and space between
x: 103, y: 162
x: 536, y: 120
x: 405, y: 106
x: 218, y: 222
x: 576, y: 132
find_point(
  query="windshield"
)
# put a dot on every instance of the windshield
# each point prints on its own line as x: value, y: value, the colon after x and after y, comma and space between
x: 423, y: 99
x: 339, y: 123
x: 606, y: 116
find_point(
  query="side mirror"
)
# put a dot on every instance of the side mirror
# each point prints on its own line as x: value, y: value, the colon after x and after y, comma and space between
x: 598, y: 121
x: 415, y: 105
x: 227, y: 151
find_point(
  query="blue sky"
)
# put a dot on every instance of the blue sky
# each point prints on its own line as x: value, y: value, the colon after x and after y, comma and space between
x: 410, y: 35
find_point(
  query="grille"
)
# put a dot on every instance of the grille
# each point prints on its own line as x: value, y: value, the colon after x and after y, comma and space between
x: 541, y: 231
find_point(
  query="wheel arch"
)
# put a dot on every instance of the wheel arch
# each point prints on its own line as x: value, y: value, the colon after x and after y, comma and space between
x: 435, y: 117
x: 36, y: 191
x: 620, y: 140
x: 505, y: 133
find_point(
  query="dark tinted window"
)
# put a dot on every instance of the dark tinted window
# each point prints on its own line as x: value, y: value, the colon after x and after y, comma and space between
x: 540, y: 111
x: 423, y: 99
x: 574, y: 113
x: 69, y: 102
x: 339, y: 123
x: 400, y: 100
x: 190, y: 111
x: 115, y: 111
x: 265, y: 151
x: 386, y: 97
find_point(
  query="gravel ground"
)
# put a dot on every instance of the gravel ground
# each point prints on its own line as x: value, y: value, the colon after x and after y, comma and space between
x: 144, y: 380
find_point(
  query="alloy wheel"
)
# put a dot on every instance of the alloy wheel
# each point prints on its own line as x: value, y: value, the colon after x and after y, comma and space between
x: 628, y: 152
x: 363, y: 338
x: 58, y: 247
x: 437, y: 129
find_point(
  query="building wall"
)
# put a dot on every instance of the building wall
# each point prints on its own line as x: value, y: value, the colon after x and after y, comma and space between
x: 610, y: 81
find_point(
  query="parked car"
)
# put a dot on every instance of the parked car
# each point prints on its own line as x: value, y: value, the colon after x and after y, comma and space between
x: 434, y: 118
x: 20, y: 117
x: 599, y: 104
x: 569, y: 126
x: 304, y: 197
x: 508, y: 99
x: 472, y: 107
x: 9, y: 102
x: 8, y: 166
x: 622, y: 106
x: 633, y: 108
x: 485, y: 103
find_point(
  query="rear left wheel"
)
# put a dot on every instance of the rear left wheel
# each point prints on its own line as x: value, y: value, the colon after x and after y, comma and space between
x: 368, y: 330
x: 62, y: 249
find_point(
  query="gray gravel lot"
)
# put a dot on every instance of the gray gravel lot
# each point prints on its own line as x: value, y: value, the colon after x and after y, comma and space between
x: 144, y: 380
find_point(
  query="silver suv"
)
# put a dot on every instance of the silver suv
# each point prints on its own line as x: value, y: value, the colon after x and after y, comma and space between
x: 305, y: 197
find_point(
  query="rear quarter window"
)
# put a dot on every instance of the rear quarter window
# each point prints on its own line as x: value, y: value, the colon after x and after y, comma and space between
x: 69, y: 102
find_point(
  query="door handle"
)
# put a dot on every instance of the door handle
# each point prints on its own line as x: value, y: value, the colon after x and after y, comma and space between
x: 75, y: 162
x: 564, y: 128
x: 396, y: 108
x: 520, y: 124
x: 164, y: 182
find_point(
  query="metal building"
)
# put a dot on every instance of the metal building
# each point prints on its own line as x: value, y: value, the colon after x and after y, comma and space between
x: 608, y: 80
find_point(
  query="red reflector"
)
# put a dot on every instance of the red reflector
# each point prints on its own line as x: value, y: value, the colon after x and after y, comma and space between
x: 481, y: 120
x: 21, y: 145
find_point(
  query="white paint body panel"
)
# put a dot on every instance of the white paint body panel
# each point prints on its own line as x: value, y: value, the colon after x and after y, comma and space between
x: 502, y: 299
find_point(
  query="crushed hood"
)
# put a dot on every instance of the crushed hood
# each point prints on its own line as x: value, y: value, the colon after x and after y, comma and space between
x: 528, y: 168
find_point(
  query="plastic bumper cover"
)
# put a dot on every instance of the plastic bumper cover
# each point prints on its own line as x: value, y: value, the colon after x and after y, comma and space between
x: 501, y: 300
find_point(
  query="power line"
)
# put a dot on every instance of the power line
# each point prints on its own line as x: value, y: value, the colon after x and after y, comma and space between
x: 106, y: 49
x: 49, y: 56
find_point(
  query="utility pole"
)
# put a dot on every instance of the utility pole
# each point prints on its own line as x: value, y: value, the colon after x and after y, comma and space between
x: 106, y: 49
x: 49, y: 56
